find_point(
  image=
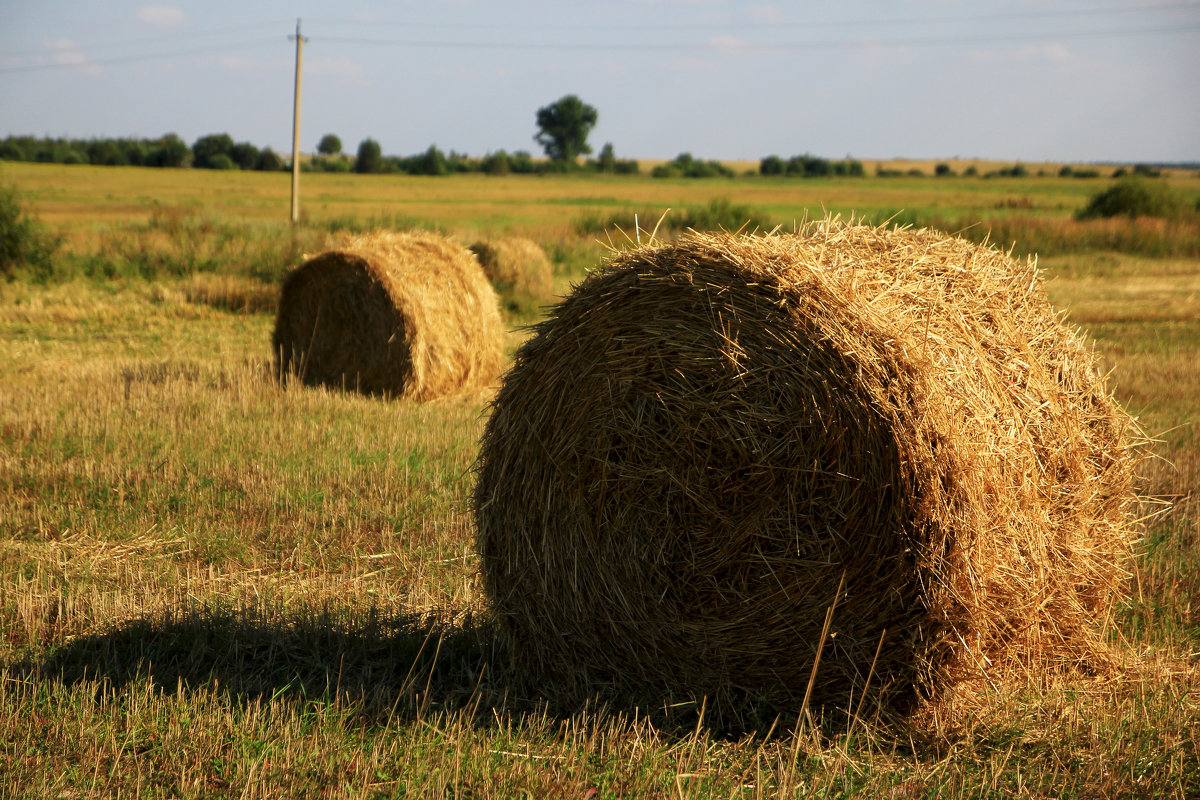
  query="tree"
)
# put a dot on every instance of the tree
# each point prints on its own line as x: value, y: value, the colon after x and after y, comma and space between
x: 269, y: 161
x: 369, y: 158
x: 209, y: 147
x: 564, y: 126
x: 329, y: 145
x: 169, y: 151
x: 245, y: 155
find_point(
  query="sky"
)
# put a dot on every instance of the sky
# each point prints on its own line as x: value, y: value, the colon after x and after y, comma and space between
x: 1021, y: 80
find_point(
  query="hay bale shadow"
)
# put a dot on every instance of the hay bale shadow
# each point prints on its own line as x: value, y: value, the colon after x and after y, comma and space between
x: 386, y: 665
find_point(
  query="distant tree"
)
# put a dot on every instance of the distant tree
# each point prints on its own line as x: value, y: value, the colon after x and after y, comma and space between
x: 563, y: 128
x: 431, y: 162
x: 495, y: 163
x: 521, y: 162
x: 943, y: 170
x: 607, y: 160
x: 772, y: 165
x: 269, y: 161
x: 207, y: 148
x: 105, y: 152
x: 1134, y: 196
x: 245, y: 155
x: 329, y: 145
x: 369, y: 159
x: 11, y: 150
x: 221, y: 161
x: 168, y: 151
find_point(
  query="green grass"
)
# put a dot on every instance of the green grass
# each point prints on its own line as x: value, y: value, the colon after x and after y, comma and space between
x: 213, y: 586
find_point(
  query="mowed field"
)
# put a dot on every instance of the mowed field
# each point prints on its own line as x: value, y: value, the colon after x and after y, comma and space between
x: 214, y: 586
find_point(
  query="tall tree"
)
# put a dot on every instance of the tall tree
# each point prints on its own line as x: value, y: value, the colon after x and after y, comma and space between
x: 330, y: 145
x: 370, y: 157
x: 564, y: 126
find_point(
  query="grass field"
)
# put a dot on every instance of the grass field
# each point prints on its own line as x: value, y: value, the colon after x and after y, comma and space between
x: 212, y: 586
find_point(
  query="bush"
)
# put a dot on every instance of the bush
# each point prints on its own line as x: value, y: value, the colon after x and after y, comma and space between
x: 221, y: 161
x: 269, y: 161
x: 206, y: 149
x: 23, y: 243
x: 495, y: 163
x: 771, y: 165
x: 1134, y: 196
x: 370, y: 157
x: 685, y: 166
x: 943, y: 170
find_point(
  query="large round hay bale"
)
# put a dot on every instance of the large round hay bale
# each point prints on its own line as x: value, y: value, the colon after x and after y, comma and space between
x: 404, y: 315
x: 516, y: 266
x: 707, y: 438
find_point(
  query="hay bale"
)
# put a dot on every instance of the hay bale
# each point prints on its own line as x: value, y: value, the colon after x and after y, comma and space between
x: 404, y: 315
x: 516, y: 267
x: 708, y: 437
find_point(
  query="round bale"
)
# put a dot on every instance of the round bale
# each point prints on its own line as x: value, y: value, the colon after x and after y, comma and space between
x: 401, y: 315
x: 708, y: 438
x: 517, y: 267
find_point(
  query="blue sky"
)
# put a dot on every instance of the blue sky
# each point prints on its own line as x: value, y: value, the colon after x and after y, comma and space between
x: 1029, y: 80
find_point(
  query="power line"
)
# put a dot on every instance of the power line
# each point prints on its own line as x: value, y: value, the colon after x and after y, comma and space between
x: 133, y: 59
x: 160, y: 39
x: 811, y: 44
x: 809, y: 24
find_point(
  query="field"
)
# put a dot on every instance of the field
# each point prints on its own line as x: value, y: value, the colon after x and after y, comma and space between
x: 212, y: 586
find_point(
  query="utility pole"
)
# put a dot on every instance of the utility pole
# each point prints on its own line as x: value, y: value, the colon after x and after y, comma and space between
x: 296, y: 129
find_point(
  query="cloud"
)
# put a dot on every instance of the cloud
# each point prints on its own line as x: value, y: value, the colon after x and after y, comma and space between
x: 162, y: 16
x: 69, y: 54
x: 728, y: 44
x: 766, y: 14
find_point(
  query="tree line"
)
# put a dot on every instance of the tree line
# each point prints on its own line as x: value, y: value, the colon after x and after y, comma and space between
x: 563, y: 130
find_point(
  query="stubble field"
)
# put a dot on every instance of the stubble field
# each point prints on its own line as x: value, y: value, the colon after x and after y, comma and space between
x: 213, y: 586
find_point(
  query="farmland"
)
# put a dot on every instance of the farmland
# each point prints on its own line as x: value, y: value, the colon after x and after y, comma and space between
x: 213, y: 586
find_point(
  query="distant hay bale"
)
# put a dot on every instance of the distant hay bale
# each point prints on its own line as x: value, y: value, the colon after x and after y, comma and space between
x: 516, y: 266
x: 708, y: 437
x: 403, y: 315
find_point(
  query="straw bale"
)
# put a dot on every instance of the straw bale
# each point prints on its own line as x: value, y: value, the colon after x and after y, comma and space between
x: 516, y: 265
x: 403, y: 315
x: 707, y: 438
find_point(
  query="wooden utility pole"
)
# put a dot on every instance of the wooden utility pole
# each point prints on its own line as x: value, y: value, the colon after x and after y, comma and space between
x: 296, y: 130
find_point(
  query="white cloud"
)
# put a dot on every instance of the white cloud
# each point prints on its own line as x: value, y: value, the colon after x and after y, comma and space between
x: 163, y: 16
x: 766, y: 14
x: 728, y: 44
x: 68, y: 53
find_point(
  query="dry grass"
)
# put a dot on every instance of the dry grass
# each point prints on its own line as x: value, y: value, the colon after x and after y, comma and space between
x: 406, y: 315
x: 764, y: 470
x: 215, y: 586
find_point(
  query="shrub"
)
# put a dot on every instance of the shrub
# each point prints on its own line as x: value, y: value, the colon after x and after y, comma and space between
x: 771, y: 165
x: 943, y: 170
x: 207, y: 148
x: 221, y: 161
x: 685, y: 166
x: 495, y: 163
x: 269, y: 161
x: 1134, y: 196
x: 369, y: 158
x: 23, y: 243
x: 245, y: 155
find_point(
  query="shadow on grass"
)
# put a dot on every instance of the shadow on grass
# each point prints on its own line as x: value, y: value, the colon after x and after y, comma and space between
x: 385, y: 662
